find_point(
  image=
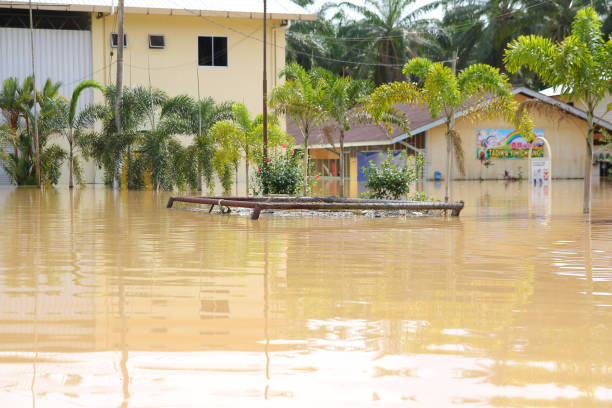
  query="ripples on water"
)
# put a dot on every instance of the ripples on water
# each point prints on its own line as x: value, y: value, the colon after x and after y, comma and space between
x: 108, y: 299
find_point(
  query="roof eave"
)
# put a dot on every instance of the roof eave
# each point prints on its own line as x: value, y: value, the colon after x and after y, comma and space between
x: 564, y: 106
x: 160, y: 11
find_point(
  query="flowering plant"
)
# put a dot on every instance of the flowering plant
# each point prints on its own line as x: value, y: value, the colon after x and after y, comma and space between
x: 279, y: 173
x: 392, y: 178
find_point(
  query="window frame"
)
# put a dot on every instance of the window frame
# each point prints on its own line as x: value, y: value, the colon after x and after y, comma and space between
x: 125, y: 40
x: 212, y: 38
x: 154, y: 47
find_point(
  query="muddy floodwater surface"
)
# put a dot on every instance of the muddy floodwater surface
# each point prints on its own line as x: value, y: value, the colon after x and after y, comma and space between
x: 108, y: 299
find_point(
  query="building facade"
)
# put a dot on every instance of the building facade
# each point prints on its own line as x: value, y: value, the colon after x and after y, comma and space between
x: 493, y: 149
x: 209, y: 50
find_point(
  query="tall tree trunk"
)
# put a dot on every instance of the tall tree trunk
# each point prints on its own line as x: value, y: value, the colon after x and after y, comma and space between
x: 128, y: 161
x: 448, y: 163
x: 341, y: 162
x: 588, y: 164
x: 450, y: 125
x: 70, y: 161
x: 246, y: 170
x: 305, y: 186
x: 199, y: 178
x: 14, y: 135
x: 265, y: 88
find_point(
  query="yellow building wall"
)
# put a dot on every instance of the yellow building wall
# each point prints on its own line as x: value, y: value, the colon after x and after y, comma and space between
x: 174, y: 68
x: 565, y: 132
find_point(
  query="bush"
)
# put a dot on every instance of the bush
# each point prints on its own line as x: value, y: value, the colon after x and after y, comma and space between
x: 280, y: 174
x: 389, y: 180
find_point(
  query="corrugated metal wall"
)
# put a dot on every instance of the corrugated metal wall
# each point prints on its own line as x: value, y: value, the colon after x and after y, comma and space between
x: 62, y: 55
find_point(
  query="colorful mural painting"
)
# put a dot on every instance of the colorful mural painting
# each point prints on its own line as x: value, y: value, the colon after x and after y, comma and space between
x: 506, y: 144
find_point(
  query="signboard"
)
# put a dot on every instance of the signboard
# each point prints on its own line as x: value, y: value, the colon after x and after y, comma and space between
x: 540, y: 171
x: 506, y: 144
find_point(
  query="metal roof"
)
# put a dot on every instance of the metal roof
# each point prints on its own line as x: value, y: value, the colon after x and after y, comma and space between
x: 277, y: 9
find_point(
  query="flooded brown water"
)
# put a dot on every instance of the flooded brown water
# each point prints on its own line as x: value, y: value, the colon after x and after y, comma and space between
x: 108, y: 299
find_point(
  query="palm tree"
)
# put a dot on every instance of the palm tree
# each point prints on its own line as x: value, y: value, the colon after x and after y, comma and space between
x: 339, y: 44
x: 243, y: 136
x: 389, y: 33
x: 14, y: 101
x: 458, y: 32
x: 191, y: 117
x: 139, y: 108
x: 20, y: 165
x: 73, y: 125
x: 480, y: 88
x: 581, y: 65
x: 341, y: 95
x: 301, y: 98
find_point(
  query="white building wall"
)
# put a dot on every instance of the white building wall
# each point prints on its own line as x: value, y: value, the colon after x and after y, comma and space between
x: 62, y: 55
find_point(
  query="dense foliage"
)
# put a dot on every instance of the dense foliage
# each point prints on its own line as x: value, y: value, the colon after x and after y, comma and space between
x: 217, y: 136
x: 373, y: 39
x: 479, y: 88
x: 580, y: 65
x: 280, y: 173
x: 16, y: 105
x: 392, y: 178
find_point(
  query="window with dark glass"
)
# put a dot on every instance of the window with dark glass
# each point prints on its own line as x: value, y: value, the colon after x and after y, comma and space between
x: 115, y: 40
x: 212, y: 51
x: 157, y: 41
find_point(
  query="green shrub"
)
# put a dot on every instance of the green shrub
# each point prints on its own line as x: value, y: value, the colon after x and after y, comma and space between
x: 419, y: 196
x: 281, y: 173
x: 389, y: 180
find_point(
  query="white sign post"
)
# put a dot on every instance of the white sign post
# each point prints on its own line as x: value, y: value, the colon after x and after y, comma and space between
x: 540, y: 175
x: 540, y: 171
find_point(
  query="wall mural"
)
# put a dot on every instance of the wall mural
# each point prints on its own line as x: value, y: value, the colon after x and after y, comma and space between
x: 506, y: 144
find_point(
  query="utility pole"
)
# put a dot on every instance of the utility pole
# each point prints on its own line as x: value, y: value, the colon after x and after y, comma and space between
x: 35, y: 142
x: 449, y: 189
x: 265, y: 85
x: 199, y: 126
x: 119, y: 85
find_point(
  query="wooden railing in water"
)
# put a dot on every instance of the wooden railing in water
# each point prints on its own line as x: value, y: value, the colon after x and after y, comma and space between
x: 316, y: 203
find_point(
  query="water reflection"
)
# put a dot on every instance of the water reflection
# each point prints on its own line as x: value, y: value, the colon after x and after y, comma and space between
x: 109, y: 299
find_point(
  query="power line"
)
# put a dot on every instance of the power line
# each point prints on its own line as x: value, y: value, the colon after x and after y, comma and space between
x: 320, y: 57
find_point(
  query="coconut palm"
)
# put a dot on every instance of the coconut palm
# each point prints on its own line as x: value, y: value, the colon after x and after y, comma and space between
x: 581, y: 65
x: 339, y: 44
x: 20, y: 165
x: 139, y: 108
x: 191, y: 117
x: 389, y: 33
x: 14, y: 99
x: 300, y: 97
x: 243, y: 136
x: 341, y: 97
x: 479, y: 90
x: 73, y: 125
